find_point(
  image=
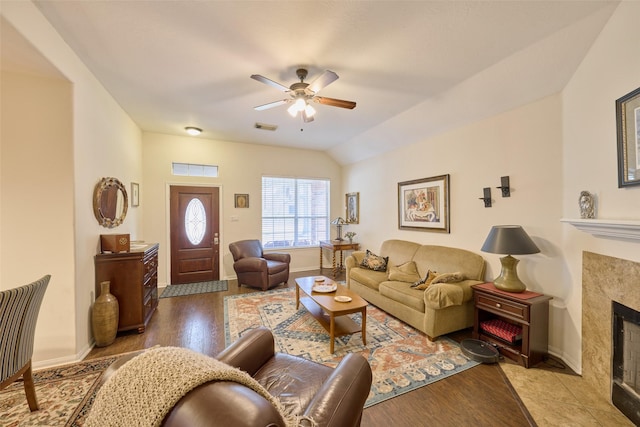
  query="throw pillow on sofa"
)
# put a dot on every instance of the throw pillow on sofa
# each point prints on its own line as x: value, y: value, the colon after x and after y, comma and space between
x: 448, y: 278
x: 407, y: 272
x: 374, y: 262
x: 424, y: 283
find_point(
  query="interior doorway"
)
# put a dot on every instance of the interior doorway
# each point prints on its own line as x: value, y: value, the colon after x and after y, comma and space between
x: 194, y: 234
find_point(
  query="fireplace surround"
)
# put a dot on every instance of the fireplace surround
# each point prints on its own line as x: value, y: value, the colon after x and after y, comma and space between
x: 626, y: 360
x: 604, y: 280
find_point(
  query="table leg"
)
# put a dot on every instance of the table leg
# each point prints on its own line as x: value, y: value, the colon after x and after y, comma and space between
x: 332, y: 332
x: 320, y: 257
x: 364, y: 325
x: 335, y: 274
x: 297, y: 296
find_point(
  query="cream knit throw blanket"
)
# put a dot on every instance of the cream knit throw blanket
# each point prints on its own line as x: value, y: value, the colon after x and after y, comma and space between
x: 144, y: 390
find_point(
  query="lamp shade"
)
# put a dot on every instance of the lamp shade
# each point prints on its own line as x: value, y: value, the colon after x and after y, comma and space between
x: 338, y: 221
x: 509, y: 240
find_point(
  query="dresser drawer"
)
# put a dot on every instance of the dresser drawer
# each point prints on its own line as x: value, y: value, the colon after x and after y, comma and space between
x: 502, y: 306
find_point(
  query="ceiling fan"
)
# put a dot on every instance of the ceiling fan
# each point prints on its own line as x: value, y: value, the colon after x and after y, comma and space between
x: 301, y: 94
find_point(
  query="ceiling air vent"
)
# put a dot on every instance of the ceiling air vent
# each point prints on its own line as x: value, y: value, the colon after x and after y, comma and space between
x: 265, y: 126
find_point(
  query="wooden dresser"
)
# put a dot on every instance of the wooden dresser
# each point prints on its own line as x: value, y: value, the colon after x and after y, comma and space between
x: 134, y: 282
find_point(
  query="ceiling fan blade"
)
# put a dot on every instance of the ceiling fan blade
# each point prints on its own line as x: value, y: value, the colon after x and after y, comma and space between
x: 306, y: 118
x: 335, y: 102
x: 272, y: 104
x: 322, y: 81
x: 269, y: 82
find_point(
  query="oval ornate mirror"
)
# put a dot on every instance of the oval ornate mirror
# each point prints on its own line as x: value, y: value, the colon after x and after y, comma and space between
x: 110, y: 202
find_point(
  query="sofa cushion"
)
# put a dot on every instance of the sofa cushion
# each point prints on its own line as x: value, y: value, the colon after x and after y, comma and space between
x: 374, y: 262
x: 424, y: 283
x: 448, y: 278
x: 445, y: 260
x: 368, y: 278
x: 403, y: 293
x: 407, y: 272
x: 444, y: 295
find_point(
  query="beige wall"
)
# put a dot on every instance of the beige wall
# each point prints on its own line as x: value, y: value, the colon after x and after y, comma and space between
x: 96, y: 139
x: 36, y: 227
x: 241, y: 167
x: 610, y: 70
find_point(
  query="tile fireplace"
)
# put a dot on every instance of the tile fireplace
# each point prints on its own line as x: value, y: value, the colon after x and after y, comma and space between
x: 606, y: 280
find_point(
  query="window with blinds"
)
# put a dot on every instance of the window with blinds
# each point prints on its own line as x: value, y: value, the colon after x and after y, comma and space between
x: 295, y: 211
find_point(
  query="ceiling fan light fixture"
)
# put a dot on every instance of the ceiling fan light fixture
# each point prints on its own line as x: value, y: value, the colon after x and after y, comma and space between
x: 300, y: 104
x: 309, y: 110
x: 293, y: 110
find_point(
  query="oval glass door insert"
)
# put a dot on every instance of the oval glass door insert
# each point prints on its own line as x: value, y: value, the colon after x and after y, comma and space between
x: 195, y: 221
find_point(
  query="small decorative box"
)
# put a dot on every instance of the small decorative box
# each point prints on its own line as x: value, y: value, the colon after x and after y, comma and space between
x: 114, y: 243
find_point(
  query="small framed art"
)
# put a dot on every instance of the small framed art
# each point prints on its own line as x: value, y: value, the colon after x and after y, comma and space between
x: 241, y: 201
x: 135, y: 194
x: 352, y: 202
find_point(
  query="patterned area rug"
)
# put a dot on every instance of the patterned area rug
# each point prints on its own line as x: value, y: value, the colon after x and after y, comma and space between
x: 65, y: 394
x: 402, y: 358
x: 194, y: 288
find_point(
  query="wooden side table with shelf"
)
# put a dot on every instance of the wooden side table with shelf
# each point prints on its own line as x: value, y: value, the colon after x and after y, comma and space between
x: 528, y: 311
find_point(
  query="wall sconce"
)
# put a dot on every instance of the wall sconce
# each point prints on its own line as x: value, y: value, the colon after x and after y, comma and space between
x: 486, y: 197
x: 504, y: 186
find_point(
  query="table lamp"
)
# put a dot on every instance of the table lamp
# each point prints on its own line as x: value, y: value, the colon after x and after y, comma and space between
x: 509, y: 240
x: 339, y: 222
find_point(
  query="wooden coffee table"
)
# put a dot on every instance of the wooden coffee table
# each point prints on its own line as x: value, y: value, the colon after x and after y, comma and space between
x: 331, y: 313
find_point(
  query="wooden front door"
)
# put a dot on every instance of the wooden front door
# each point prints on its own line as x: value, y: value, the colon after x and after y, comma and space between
x: 195, y: 240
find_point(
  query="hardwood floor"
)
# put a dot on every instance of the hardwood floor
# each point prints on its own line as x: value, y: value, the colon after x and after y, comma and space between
x: 480, y: 396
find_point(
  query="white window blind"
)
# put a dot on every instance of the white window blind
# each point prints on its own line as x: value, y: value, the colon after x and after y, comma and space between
x: 295, y: 211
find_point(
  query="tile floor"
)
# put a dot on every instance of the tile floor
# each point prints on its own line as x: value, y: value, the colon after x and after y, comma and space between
x: 555, y: 398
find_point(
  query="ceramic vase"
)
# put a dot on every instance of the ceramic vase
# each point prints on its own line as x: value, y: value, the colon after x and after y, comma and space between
x: 104, y: 317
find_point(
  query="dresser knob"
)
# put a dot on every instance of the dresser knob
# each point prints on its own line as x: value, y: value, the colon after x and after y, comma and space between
x: 498, y: 305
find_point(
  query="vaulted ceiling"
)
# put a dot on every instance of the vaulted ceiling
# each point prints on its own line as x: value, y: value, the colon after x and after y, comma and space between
x: 415, y: 68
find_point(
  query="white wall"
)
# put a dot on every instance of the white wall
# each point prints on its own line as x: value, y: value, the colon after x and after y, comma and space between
x: 610, y: 70
x: 241, y: 167
x: 101, y: 141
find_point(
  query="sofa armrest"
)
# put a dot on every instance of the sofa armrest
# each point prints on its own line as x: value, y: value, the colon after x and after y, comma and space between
x: 354, y: 259
x: 250, y: 351
x: 443, y: 295
x: 347, y: 388
x: 251, y: 264
x: 277, y: 256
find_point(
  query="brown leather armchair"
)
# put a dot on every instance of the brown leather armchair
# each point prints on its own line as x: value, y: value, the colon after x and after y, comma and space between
x: 258, y: 269
x: 330, y: 397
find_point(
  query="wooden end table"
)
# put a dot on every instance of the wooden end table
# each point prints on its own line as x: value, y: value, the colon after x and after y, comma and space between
x: 335, y: 246
x: 331, y: 313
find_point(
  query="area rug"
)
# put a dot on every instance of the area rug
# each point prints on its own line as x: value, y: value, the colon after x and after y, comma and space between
x: 65, y: 394
x: 402, y: 359
x: 194, y: 288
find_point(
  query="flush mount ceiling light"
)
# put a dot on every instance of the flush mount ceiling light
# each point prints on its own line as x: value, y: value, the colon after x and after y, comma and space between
x: 301, y: 94
x: 193, y: 131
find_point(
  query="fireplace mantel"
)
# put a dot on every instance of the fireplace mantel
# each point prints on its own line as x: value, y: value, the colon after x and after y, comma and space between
x: 621, y: 229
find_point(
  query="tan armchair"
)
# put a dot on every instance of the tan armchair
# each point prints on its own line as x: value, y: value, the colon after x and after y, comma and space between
x: 19, y: 308
x: 258, y: 269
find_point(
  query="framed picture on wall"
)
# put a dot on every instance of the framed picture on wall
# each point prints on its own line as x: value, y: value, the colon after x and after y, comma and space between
x: 423, y: 204
x: 352, y: 203
x: 135, y: 194
x: 241, y: 201
x: 628, y: 128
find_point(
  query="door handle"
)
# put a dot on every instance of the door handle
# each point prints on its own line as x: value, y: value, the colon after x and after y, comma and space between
x: 215, y: 241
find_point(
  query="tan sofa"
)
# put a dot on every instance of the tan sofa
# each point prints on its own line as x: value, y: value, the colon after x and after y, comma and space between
x: 438, y: 310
